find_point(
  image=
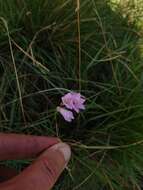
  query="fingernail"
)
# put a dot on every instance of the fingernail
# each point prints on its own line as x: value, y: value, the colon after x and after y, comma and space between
x: 64, y: 149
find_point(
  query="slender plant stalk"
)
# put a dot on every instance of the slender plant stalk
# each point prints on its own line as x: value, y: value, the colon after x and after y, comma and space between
x: 79, y: 44
x: 109, y: 147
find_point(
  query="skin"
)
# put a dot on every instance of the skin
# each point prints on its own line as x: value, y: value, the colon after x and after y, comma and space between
x: 44, y: 171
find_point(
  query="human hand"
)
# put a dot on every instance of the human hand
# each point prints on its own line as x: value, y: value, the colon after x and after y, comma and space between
x: 52, y: 157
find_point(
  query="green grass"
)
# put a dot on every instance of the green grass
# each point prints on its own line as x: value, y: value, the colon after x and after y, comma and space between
x: 107, y: 137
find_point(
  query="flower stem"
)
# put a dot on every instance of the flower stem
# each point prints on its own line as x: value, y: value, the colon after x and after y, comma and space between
x: 79, y: 44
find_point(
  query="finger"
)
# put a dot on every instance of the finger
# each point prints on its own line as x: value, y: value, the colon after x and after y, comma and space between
x: 44, y: 172
x: 14, y: 146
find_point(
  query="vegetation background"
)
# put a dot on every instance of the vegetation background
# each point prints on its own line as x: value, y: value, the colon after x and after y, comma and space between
x: 48, y: 48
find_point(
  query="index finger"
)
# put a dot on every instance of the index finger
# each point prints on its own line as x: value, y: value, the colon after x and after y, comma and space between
x: 15, y: 146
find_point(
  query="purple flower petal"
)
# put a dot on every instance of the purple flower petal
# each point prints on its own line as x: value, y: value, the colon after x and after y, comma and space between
x: 67, y: 100
x: 82, y: 107
x: 73, y: 101
x: 68, y: 115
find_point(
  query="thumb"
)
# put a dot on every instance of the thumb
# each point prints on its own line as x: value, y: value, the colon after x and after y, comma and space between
x: 44, y: 172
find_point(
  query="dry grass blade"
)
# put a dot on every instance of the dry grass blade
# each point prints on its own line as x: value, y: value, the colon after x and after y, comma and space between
x: 110, y: 147
x: 14, y: 65
x: 37, y: 63
x: 79, y: 44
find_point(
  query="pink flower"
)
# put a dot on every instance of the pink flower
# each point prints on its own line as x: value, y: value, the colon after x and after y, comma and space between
x: 74, y: 101
x: 68, y: 115
x: 71, y: 102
